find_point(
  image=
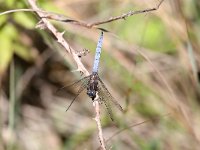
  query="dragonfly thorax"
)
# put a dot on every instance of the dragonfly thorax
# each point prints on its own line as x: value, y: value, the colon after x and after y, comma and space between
x: 92, y: 86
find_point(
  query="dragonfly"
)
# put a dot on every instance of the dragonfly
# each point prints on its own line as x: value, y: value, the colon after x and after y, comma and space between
x: 94, y: 85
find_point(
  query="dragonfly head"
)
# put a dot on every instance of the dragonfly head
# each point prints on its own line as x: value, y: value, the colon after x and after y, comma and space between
x: 91, y: 94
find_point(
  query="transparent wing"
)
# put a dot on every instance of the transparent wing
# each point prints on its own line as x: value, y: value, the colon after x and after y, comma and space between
x: 105, y: 102
x: 105, y: 94
x: 81, y: 88
x: 76, y: 84
x: 80, y: 85
x: 106, y: 98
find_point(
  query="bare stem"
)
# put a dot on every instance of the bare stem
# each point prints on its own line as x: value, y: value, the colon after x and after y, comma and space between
x: 59, y: 37
x: 124, y: 16
x: 97, y: 119
x: 21, y: 10
x: 63, y: 18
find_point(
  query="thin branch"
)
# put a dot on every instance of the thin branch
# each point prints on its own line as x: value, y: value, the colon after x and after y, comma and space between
x: 63, y: 18
x: 22, y: 10
x: 60, y: 38
x: 124, y: 16
x: 59, y: 17
x: 16, y: 10
x: 97, y: 119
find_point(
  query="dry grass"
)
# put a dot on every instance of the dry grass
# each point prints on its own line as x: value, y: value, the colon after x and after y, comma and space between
x: 150, y: 63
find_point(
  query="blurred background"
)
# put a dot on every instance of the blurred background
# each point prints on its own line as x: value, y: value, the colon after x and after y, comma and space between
x: 150, y: 64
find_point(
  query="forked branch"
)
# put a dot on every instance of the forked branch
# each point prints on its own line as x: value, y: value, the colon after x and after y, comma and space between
x: 63, y: 18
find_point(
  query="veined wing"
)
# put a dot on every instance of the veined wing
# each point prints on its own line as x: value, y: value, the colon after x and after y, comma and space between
x: 107, y: 96
x: 82, y: 87
x: 105, y: 102
x: 76, y: 84
x: 80, y: 84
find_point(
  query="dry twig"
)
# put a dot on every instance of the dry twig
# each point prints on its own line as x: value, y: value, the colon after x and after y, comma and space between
x: 63, y: 18
x: 60, y: 38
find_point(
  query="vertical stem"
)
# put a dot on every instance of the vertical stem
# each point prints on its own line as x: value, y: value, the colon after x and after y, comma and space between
x: 11, y: 103
x: 97, y: 119
x: 1, y: 115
